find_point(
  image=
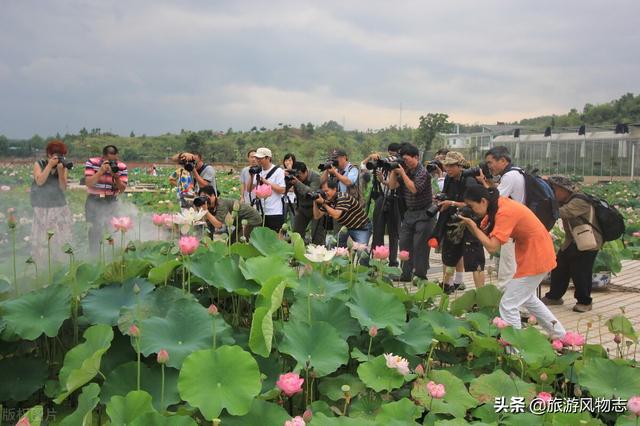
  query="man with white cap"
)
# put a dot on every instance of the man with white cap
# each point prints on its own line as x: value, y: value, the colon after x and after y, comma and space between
x: 270, y: 207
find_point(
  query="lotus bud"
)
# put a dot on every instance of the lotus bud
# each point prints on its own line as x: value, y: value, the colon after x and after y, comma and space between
x: 228, y: 219
x: 532, y: 320
x: 213, y: 310
x: 419, y: 370
x: 345, y: 388
x: 50, y: 234
x: 134, y: 331
x: 136, y: 289
x: 543, y: 376
x: 589, y: 324
x: 236, y: 206
x: 244, y: 222
x: 163, y: 356
x: 373, y: 331
x: 68, y: 249
x: 628, y: 343
x: 12, y: 222
x: 617, y: 338
x: 307, y: 415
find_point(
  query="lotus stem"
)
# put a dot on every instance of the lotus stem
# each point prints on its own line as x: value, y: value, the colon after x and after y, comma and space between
x: 75, y: 320
x: 122, y: 250
x: 309, y: 300
x: 13, y: 246
x: 162, y: 386
x: 433, y: 346
x: 48, y: 258
x: 138, y: 353
x: 215, y: 335
x: 369, y: 351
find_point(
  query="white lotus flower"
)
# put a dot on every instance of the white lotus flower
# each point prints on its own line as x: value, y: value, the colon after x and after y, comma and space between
x: 188, y: 218
x: 319, y: 253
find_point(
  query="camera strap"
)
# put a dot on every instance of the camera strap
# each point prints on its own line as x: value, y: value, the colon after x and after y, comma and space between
x: 268, y: 175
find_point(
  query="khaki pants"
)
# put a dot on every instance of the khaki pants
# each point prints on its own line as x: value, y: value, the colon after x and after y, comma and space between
x: 507, y: 263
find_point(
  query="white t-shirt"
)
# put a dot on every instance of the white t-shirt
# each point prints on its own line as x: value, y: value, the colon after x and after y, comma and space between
x: 273, y: 205
x: 512, y: 185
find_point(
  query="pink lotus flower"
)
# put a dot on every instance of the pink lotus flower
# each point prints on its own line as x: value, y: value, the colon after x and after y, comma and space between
x: 381, y: 253
x: 296, y: 421
x: 404, y: 255
x: 163, y: 356
x: 157, y: 219
x: 397, y: 362
x: 532, y: 320
x: 634, y: 405
x: 168, y: 220
x: 23, y: 422
x: 636, y: 234
x: 419, y: 370
x: 557, y: 345
x: 263, y: 191
x: 436, y: 390
x: 188, y: 245
x: 307, y: 415
x: 290, y: 383
x: 359, y: 247
x: 122, y: 224
x: 212, y: 309
x: 573, y: 339
x: 544, y: 376
x: 545, y: 397
x: 342, y: 251
x: 500, y: 323
x: 373, y: 331
x: 134, y: 331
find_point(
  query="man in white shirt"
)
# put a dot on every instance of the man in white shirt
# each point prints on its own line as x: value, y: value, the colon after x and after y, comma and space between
x: 512, y: 185
x: 271, y: 207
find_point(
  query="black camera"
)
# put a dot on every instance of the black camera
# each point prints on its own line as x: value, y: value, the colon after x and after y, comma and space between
x: 113, y: 164
x: 65, y: 163
x: 432, y: 210
x: 289, y: 174
x: 328, y: 164
x: 188, y: 165
x: 433, y: 166
x: 385, y: 164
x: 314, y: 195
x: 441, y: 197
x: 475, y: 171
x: 254, y: 170
x: 200, y: 201
x: 465, y: 211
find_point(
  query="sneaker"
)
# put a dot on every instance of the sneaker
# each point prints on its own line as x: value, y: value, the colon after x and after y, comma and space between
x: 579, y: 307
x: 449, y: 289
x: 550, y: 302
x: 459, y: 286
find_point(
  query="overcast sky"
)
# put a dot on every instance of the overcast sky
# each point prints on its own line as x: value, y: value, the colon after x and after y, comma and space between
x: 155, y: 66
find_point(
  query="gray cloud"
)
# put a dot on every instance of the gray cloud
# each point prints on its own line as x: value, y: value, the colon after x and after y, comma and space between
x: 154, y: 66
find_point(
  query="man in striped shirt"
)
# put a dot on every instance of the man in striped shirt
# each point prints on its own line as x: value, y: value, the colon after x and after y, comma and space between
x: 105, y: 178
x: 345, y: 210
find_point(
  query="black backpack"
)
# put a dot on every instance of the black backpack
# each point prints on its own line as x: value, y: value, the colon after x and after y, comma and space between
x: 610, y: 222
x: 540, y: 198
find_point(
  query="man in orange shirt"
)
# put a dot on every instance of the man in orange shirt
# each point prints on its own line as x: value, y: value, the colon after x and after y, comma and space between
x: 535, y: 256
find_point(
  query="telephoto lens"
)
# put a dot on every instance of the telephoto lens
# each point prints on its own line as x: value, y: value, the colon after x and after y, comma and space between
x: 254, y: 170
x: 114, y: 166
x: 200, y: 201
x: 66, y: 164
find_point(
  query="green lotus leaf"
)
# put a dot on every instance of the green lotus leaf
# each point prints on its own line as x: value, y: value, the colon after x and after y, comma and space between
x: 332, y: 311
x: 400, y: 412
x: 456, y: 400
x: 87, y: 401
x: 123, y: 380
x: 227, y: 378
x: 371, y: 307
x: 103, y: 305
x: 427, y: 292
x: 482, y: 344
x: 157, y: 419
x: 21, y: 377
x: 85, y: 276
x: 607, y: 378
x: 488, y: 296
x: 266, y: 241
x: 480, y: 322
x: 264, y: 268
x: 463, y: 303
x: 5, y: 285
x: 377, y: 376
x: 318, y: 343
x: 261, y: 413
x: 161, y: 273
x: 487, y: 387
x: 321, y: 419
x: 37, y: 312
x: 267, y: 303
x: 628, y: 420
x: 366, y: 405
x: 82, y: 363
x: 299, y: 248
x: 446, y: 327
x: 155, y: 304
x: 225, y: 273
x: 35, y: 416
x: 534, y: 348
x: 583, y: 419
x: 123, y: 410
x: 415, y: 339
x: 620, y: 324
x: 187, y: 327
x: 244, y: 250
x: 331, y: 387
x: 321, y: 288
x: 119, y: 353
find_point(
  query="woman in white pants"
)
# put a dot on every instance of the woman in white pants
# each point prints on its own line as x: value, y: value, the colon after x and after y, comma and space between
x: 535, y: 255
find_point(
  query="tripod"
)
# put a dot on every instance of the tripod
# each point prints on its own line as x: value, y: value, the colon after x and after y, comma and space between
x: 376, y: 190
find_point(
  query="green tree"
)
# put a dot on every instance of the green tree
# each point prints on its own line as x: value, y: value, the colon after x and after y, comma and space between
x: 430, y: 126
x: 193, y: 143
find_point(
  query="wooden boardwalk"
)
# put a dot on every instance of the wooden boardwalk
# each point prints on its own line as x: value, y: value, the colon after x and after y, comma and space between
x: 622, y: 293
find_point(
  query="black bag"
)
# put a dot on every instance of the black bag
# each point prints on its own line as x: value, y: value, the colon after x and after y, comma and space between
x: 609, y: 221
x: 540, y: 198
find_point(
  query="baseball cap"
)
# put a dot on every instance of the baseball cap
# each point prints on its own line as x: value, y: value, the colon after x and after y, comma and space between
x: 263, y: 152
x: 453, y: 157
x: 339, y: 153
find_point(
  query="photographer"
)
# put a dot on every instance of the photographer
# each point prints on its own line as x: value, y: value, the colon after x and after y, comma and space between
x: 271, y: 207
x: 512, y: 185
x: 246, y: 176
x: 414, y: 186
x: 345, y: 211
x: 50, y: 209
x: 105, y: 177
x: 289, y: 198
x: 505, y: 219
x: 192, y: 174
x: 306, y: 182
x: 339, y: 169
x: 460, y: 248
x: 219, y: 208
x: 386, y: 211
